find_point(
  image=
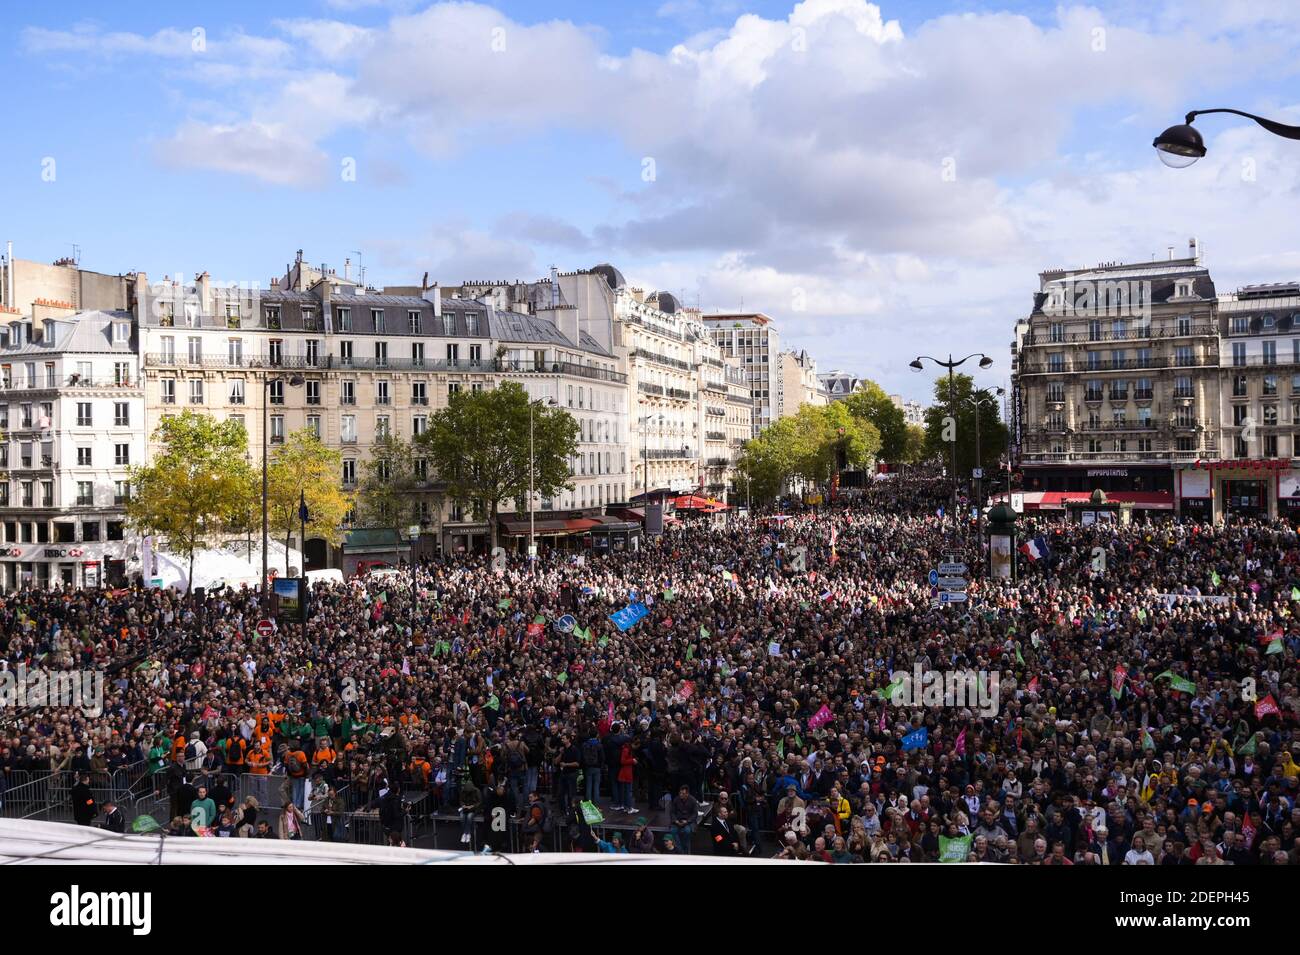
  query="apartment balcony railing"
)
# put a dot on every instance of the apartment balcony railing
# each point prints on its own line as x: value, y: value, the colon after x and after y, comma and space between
x: 337, y: 363
x: 664, y: 454
x: 715, y: 435
x: 648, y: 389
x: 718, y: 462
x: 1263, y: 361
x: 715, y: 412
x: 1127, y: 364
x: 1129, y: 334
x: 679, y: 393
x: 659, y: 359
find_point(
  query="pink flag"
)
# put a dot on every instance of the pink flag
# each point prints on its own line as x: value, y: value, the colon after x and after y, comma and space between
x: 960, y: 748
x: 609, y: 712
x: 882, y: 719
x: 820, y: 718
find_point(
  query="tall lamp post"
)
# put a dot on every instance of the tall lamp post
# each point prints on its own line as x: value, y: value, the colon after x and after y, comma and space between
x: 977, y: 401
x: 918, y: 365
x: 267, y: 380
x: 532, y: 470
x: 1180, y: 146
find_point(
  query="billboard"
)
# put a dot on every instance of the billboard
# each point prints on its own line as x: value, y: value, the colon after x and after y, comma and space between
x: 289, y: 599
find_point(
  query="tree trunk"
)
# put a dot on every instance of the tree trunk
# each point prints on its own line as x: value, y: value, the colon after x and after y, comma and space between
x: 492, y: 526
x: 287, y: 537
x: 189, y: 581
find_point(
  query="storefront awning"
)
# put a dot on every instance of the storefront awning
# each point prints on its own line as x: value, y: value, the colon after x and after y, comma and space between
x: 550, y: 526
x: 1057, y: 500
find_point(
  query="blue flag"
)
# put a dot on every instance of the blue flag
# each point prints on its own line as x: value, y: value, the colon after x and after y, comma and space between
x: 566, y: 623
x: 917, y: 739
x: 629, y: 616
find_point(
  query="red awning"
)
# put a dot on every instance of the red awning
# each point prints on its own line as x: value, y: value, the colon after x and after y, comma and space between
x: 693, y: 502
x: 1144, y: 500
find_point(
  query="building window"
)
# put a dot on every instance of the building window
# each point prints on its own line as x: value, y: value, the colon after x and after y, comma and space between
x: 85, y: 493
x: 85, y: 458
x: 277, y: 429
x: 121, y: 492
x: 453, y: 353
x: 376, y: 319
x: 275, y: 351
x: 471, y: 324
x: 312, y: 352
x: 196, y: 391
x: 121, y: 414
x: 343, y: 315
x: 195, y: 350
x: 475, y: 354
x: 122, y: 455
x: 236, y: 391
x: 419, y: 393
x: 348, y: 392
x: 419, y: 424
x: 381, y: 354
x: 168, y: 388
x: 348, y: 429
x: 382, y: 396
x: 277, y: 391
x: 273, y: 316
x: 313, y: 424
x: 381, y: 426
x: 413, y: 321
x: 417, y: 354
x: 345, y: 353
x: 313, y: 392
x: 349, y: 473
x: 449, y: 323
x: 84, y: 417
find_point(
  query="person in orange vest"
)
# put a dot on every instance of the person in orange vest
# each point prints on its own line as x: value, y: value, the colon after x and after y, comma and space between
x: 325, y: 754
x: 421, y: 770
x: 259, y: 761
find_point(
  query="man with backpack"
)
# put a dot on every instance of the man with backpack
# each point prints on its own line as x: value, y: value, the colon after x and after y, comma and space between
x: 593, y: 764
x: 195, y: 752
x: 297, y: 767
x: 516, y: 760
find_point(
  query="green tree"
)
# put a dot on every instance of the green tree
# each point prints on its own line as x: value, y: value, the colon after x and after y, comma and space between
x: 870, y: 403
x: 479, y: 446
x: 951, y: 419
x: 196, y: 484
x: 387, y: 495
x: 814, y: 444
x: 914, y: 445
x: 304, y: 468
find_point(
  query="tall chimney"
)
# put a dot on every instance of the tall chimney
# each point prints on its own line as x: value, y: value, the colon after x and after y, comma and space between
x: 9, y: 284
x: 1191, y: 249
x: 347, y: 269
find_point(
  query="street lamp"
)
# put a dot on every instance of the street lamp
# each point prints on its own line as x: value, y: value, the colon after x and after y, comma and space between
x: 1180, y: 146
x: 532, y: 468
x: 267, y: 380
x: 977, y: 401
x: 917, y: 365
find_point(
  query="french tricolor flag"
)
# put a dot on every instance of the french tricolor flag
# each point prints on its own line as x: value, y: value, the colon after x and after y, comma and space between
x: 1035, y: 549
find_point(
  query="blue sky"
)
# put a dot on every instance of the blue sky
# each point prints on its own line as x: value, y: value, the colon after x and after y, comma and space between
x: 881, y: 179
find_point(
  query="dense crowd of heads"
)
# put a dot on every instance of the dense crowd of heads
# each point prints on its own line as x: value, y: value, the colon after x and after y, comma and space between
x: 1142, y: 679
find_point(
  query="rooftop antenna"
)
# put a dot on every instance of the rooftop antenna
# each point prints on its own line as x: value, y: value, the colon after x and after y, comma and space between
x: 361, y: 269
x: 76, y: 254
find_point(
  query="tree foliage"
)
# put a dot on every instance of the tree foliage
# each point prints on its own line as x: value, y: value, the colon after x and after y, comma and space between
x: 951, y: 419
x: 870, y: 403
x: 479, y: 445
x: 304, y: 468
x: 387, y: 494
x: 813, y: 444
x: 195, y: 486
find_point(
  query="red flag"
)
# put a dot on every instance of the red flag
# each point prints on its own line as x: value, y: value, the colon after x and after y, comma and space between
x: 1020, y: 732
x: 1033, y: 685
x: 1267, y: 707
x: 1248, y: 830
x: 609, y: 712
x: 464, y: 618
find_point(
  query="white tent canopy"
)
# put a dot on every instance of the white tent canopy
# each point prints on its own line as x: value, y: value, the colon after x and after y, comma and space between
x: 212, y: 568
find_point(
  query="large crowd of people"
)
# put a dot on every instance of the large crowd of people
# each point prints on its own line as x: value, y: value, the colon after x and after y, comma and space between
x: 1146, y: 702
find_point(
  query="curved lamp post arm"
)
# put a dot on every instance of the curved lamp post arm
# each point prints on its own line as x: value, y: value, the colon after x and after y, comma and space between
x: 1278, y: 129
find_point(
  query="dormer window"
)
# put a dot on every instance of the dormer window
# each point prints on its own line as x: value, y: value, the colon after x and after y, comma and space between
x: 1184, y: 289
x: 1270, y: 322
x: 121, y: 332
x: 273, y: 316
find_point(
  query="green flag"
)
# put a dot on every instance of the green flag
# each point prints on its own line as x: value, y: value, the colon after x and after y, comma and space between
x: 1214, y: 577
x: 563, y: 677
x: 1177, y: 682
x: 1142, y: 615
x: 540, y: 618
x: 583, y: 633
x: 493, y: 702
x: 1295, y: 593
x: 704, y: 632
x: 503, y: 603
x: 1019, y: 658
x: 798, y: 741
x: 1147, y: 741
x: 669, y: 595
x: 602, y: 641
x: 1274, y: 647
x: 383, y: 598
x: 887, y: 692
x: 780, y: 748
x: 954, y: 850
x: 1247, y: 748
x: 690, y: 652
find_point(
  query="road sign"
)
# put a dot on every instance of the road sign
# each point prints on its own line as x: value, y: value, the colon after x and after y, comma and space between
x: 952, y: 597
x: 952, y: 583
x: 977, y: 473
x: 265, y: 628
x: 934, y: 578
x: 953, y: 568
